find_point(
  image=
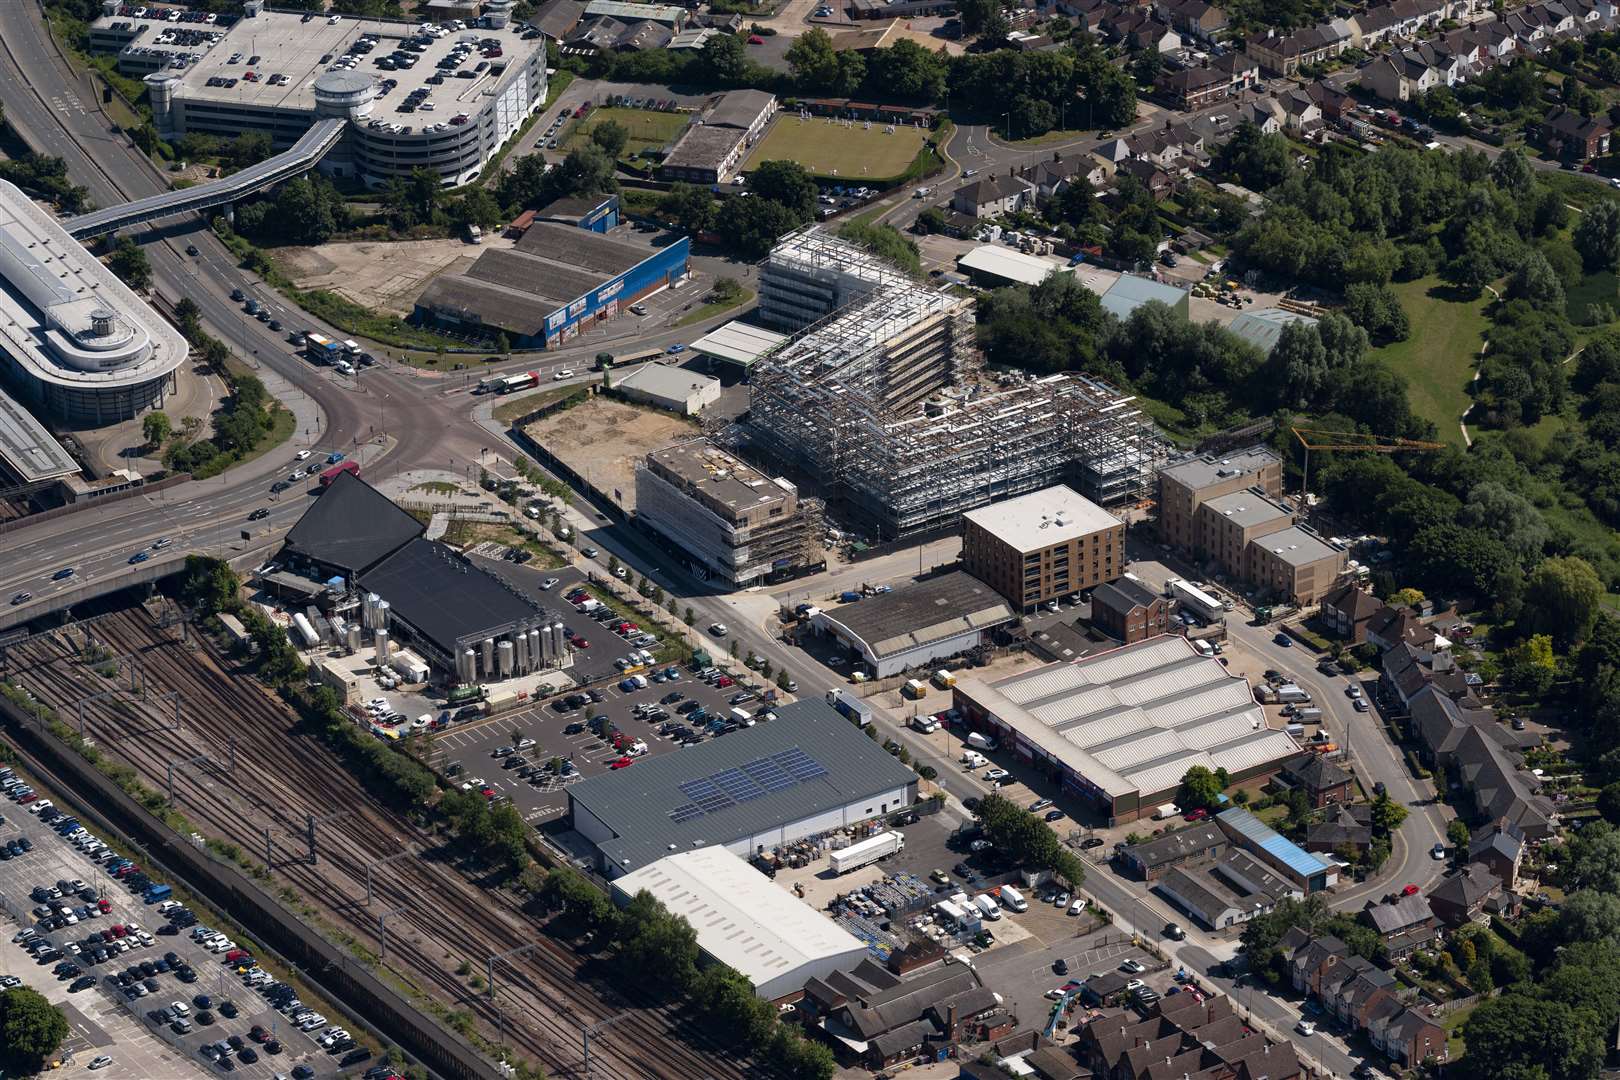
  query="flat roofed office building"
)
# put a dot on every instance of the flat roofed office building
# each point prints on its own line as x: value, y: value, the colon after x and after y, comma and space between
x: 916, y: 624
x: 775, y: 940
x: 76, y: 342
x: 1037, y: 547
x: 1122, y: 728
x: 808, y: 772
x: 442, y: 100
x: 1296, y: 563
x: 731, y: 522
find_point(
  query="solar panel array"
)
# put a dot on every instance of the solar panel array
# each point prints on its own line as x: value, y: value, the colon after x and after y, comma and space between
x: 747, y: 782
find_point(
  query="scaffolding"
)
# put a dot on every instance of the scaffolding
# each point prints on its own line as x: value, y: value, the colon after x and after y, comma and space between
x: 885, y: 404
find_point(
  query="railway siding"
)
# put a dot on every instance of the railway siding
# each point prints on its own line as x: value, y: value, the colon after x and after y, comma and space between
x: 284, y: 774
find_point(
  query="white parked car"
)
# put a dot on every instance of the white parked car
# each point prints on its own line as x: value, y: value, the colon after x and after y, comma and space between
x: 1078, y: 906
x: 564, y: 373
x: 1305, y: 1027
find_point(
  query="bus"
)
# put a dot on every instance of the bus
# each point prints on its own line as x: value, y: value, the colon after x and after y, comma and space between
x: 337, y: 470
x: 321, y: 349
x: 521, y: 381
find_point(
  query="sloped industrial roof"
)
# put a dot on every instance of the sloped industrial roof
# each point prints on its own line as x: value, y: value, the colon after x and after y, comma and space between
x: 444, y: 596
x: 1256, y: 832
x: 921, y: 613
x: 352, y: 526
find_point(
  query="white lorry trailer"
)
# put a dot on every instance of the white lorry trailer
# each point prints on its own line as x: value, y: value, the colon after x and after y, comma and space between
x: 1195, y: 600
x: 866, y: 852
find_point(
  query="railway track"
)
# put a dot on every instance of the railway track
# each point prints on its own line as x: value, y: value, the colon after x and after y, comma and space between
x: 282, y: 775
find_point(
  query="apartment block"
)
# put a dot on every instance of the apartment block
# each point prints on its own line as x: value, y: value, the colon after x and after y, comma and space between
x: 1225, y: 525
x: 1187, y: 484
x: 729, y: 521
x: 1041, y: 546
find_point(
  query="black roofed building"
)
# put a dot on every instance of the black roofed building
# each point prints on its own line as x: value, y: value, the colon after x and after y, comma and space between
x: 350, y: 528
x: 1466, y: 896
x: 808, y: 772
x: 1322, y: 781
x: 916, y: 624
x: 1405, y: 923
x: 468, y: 625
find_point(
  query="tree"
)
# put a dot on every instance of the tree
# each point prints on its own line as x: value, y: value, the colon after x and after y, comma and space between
x: 477, y: 207
x: 1597, y: 237
x: 813, y: 60
x: 31, y: 1029
x: 1301, y: 365
x: 1376, y: 309
x: 1407, y: 597
x: 1535, y: 280
x: 1567, y: 593
x: 1457, y: 834
x: 611, y: 137
x: 209, y: 585
x: 1508, y: 516
x: 1608, y: 802
x: 657, y: 948
x: 1531, y: 665
x: 1518, y: 1036
x: 1387, y: 814
x: 886, y: 242
x: 155, y: 427
x: 128, y: 260
x: 727, y: 1001
x: 585, y: 171
x: 751, y: 226
x: 689, y: 206
x: 907, y: 70
x: 723, y: 60
x: 249, y: 148
x: 1200, y: 789
x: 786, y: 183
x: 976, y: 14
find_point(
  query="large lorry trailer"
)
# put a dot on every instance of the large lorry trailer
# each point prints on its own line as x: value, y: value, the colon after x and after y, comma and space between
x: 1196, y: 600
x: 850, y: 705
x: 866, y: 852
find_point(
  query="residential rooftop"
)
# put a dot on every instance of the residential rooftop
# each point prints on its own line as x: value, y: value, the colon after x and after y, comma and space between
x: 1297, y: 546
x: 1202, y: 471
x: 1248, y: 508
x: 1032, y: 522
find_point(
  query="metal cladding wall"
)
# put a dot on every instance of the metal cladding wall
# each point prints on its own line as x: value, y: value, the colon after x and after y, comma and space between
x: 382, y: 1008
x: 659, y: 269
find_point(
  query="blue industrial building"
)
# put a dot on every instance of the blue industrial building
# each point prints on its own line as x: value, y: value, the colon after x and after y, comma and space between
x: 554, y: 283
x: 598, y: 213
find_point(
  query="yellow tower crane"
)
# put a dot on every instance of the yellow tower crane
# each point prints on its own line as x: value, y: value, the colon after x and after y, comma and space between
x: 1316, y: 439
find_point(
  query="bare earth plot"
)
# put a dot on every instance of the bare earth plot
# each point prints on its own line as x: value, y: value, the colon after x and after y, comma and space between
x: 603, y: 439
x: 854, y: 150
x: 386, y: 276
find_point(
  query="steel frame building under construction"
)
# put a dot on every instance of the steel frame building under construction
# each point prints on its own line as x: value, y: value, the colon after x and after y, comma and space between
x: 884, y: 402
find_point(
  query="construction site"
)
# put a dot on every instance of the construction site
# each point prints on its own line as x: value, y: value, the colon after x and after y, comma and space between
x: 882, y: 399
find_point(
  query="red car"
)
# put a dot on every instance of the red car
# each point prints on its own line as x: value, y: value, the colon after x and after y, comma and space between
x: 119, y: 930
x: 724, y: 681
x: 1196, y: 815
x: 623, y: 763
x: 237, y: 954
x: 1410, y: 890
x: 581, y: 643
x: 104, y: 906
x: 755, y: 39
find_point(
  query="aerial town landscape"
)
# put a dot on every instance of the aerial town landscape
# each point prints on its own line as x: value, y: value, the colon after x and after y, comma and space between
x: 810, y: 539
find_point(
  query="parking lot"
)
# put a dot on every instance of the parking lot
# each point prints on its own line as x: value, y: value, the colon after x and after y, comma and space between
x: 597, y: 660
x: 152, y: 951
x: 572, y: 734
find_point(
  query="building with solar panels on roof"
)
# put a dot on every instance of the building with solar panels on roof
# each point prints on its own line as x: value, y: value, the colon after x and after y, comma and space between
x: 805, y: 773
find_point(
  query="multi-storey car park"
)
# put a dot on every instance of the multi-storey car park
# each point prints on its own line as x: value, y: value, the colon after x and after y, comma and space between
x: 440, y: 97
x: 75, y: 342
x: 883, y: 400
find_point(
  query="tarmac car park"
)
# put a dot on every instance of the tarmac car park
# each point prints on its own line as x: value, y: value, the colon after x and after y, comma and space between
x: 581, y: 729
x: 91, y: 929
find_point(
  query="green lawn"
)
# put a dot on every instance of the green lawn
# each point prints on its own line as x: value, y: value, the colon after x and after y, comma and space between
x: 829, y: 148
x: 1438, y: 359
x: 1453, y: 1023
x: 716, y: 307
x: 648, y: 130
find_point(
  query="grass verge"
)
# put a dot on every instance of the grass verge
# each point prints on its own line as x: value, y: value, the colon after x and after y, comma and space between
x: 710, y: 310
x: 526, y: 404
x: 836, y: 151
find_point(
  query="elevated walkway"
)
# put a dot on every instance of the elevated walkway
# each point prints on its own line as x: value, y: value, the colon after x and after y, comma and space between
x: 301, y: 157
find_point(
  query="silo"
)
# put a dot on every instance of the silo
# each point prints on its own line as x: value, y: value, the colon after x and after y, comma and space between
x: 487, y: 654
x: 384, y: 647
x: 505, y: 651
x: 548, y: 645
x: 559, y: 639
x: 368, y: 610
x: 537, y: 653
x: 382, y: 615
x: 467, y: 666
x: 520, y: 642
x: 354, y: 638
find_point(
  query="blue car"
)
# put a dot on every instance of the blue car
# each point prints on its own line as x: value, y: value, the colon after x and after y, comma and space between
x: 1284, y: 640
x: 139, y: 557
x: 334, y: 457
x: 673, y: 349
x: 62, y: 574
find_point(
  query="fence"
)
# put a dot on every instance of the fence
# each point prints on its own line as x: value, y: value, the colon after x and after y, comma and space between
x: 86, y: 504
x: 98, y: 800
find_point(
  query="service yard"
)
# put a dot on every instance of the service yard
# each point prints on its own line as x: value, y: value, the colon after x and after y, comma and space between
x: 840, y: 149
x: 603, y: 439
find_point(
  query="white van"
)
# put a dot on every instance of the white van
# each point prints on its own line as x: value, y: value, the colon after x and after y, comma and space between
x: 1013, y: 899
x: 973, y: 759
